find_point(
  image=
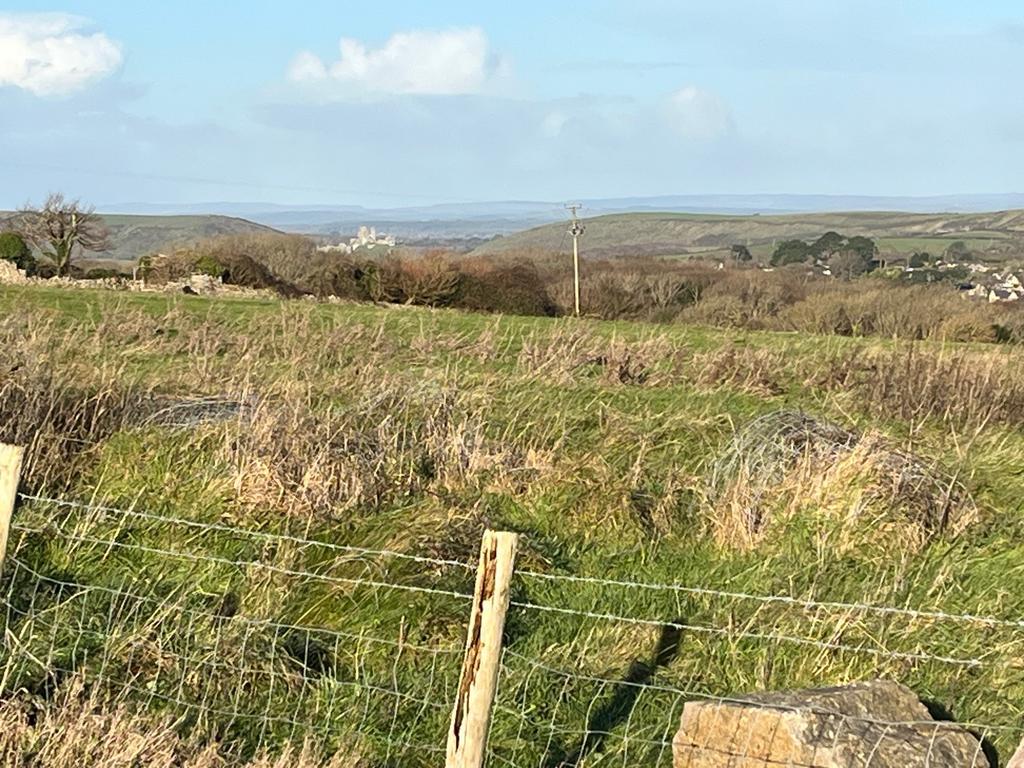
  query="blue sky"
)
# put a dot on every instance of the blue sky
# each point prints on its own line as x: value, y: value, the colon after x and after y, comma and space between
x: 393, y: 103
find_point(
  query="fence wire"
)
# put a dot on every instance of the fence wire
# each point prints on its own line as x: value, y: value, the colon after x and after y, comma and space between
x: 258, y: 640
x: 261, y: 639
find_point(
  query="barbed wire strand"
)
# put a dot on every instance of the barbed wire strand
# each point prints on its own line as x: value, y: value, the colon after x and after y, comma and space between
x: 219, y: 527
x: 215, y: 559
x: 259, y: 623
x: 746, y: 634
x: 922, y: 614
x: 784, y: 599
x: 747, y: 702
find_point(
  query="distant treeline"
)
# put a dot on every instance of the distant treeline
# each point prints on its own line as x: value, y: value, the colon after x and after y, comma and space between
x: 790, y: 297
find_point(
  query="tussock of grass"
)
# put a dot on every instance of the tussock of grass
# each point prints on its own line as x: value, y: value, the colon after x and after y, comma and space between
x: 758, y: 371
x: 575, y: 354
x: 787, y: 462
x: 966, y: 388
x: 394, y: 439
x: 79, y: 727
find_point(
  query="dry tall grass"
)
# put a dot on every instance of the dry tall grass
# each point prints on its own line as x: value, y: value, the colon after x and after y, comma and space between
x: 413, y: 430
x: 83, y: 729
x: 860, y: 489
x: 392, y: 440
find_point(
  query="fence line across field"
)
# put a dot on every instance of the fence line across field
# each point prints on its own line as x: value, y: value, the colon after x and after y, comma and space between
x: 219, y: 656
x: 696, y: 695
x: 741, y: 633
x: 219, y: 527
x: 352, y: 581
x: 194, y: 663
x: 787, y: 600
x: 261, y: 623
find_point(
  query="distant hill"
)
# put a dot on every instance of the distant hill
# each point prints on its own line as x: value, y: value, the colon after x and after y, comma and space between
x: 135, y: 236
x: 663, y: 234
x: 504, y: 217
x: 132, y: 236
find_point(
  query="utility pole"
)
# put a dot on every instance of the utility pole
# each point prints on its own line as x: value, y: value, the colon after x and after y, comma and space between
x: 576, y: 230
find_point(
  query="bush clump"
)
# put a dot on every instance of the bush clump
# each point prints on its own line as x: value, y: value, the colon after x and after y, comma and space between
x: 14, y: 249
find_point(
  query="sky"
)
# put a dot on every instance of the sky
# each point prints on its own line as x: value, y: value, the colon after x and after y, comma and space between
x: 408, y: 103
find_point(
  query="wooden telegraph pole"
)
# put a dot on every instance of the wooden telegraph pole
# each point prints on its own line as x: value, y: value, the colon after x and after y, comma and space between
x: 576, y: 229
x: 471, y: 718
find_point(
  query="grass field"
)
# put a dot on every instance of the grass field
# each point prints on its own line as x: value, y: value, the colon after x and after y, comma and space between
x: 411, y: 430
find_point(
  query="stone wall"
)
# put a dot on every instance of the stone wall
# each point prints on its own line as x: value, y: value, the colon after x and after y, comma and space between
x: 10, y: 274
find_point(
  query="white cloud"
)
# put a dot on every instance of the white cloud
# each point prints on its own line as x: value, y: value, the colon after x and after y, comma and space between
x: 53, y: 53
x: 307, y: 66
x: 448, y: 62
x: 698, y: 114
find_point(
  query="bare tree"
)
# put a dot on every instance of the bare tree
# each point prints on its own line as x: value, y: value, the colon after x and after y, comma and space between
x: 848, y: 264
x: 60, y: 226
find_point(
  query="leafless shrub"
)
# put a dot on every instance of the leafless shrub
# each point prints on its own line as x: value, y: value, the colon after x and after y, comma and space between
x: 431, y: 280
x: 637, y: 289
x: 748, y: 298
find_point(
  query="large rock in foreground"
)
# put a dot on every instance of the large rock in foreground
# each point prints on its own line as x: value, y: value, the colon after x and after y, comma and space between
x: 877, y: 724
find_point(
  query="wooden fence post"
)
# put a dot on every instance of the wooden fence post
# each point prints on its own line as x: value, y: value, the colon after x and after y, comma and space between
x: 471, y: 718
x: 10, y: 474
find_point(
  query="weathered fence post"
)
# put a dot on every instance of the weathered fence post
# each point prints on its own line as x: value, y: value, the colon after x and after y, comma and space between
x: 10, y: 474
x: 471, y: 718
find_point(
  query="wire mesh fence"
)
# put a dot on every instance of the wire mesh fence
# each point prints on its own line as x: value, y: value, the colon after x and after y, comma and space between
x: 259, y: 639
x: 230, y: 630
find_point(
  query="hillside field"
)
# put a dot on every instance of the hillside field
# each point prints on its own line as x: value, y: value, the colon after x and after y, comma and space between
x: 133, y: 236
x: 680, y: 234
x: 225, y: 456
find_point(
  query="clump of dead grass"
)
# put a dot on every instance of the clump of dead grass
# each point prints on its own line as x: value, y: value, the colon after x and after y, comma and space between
x: 54, y: 408
x: 788, y: 463
x: 960, y: 387
x: 964, y: 388
x: 83, y: 728
x: 394, y: 439
x: 757, y: 371
x: 569, y: 355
